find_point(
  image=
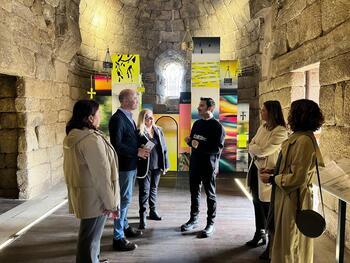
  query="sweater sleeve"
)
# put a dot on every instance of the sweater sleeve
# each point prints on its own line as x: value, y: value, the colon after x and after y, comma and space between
x: 278, y: 136
x: 215, y: 143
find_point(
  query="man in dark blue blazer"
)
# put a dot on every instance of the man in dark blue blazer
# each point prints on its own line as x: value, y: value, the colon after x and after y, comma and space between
x: 124, y: 138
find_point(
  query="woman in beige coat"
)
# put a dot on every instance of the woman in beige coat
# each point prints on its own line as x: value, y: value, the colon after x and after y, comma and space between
x: 296, y: 171
x: 264, y: 149
x: 91, y: 174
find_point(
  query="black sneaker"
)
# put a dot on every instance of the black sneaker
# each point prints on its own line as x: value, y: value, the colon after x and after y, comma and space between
x: 153, y: 215
x: 123, y: 245
x: 132, y: 232
x: 207, y: 231
x: 191, y: 224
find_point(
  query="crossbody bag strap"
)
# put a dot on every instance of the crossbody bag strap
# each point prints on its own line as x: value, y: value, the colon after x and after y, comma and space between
x: 318, y: 179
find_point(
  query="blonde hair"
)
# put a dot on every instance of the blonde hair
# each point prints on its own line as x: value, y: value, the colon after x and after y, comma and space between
x: 141, y: 121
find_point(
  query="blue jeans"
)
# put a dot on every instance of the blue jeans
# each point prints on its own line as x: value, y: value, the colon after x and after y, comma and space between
x: 126, y: 183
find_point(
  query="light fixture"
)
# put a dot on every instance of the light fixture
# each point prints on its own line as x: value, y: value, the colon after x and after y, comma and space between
x: 107, y: 63
x: 187, y: 42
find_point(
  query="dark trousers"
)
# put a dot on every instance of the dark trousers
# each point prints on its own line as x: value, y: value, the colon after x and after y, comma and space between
x: 90, y: 233
x: 261, y: 209
x: 209, y: 182
x: 148, y: 188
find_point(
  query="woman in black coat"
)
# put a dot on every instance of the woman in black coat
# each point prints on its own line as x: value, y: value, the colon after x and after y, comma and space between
x: 150, y: 169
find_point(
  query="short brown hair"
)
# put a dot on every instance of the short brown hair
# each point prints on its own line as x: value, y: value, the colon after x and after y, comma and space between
x: 305, y: 115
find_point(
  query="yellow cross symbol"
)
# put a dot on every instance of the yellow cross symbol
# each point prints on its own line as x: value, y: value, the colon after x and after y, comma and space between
x: 91, y: 93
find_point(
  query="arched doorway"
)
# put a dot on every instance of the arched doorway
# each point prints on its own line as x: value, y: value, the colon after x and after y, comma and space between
x: 170, y: 129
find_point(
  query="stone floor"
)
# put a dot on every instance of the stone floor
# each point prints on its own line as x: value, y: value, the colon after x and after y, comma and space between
x: 54, y: 239
x: 8, y: 204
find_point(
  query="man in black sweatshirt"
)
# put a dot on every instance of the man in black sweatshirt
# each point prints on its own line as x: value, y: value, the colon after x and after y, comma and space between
x: 207, y: 141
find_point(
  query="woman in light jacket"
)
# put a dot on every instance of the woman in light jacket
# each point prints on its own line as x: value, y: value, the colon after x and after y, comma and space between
x: 91, y: 174
x: 264, y: 149
x: 293, y: 181
x: 150, y: 169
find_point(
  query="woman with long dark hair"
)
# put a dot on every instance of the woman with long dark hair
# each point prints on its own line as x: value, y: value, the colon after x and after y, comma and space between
x: 264, y: 149
x: 293, y: 182
x: 91, y: 174
x: 150, y: 169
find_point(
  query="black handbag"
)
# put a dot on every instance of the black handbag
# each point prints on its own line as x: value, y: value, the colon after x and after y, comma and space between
x: 309, y: 222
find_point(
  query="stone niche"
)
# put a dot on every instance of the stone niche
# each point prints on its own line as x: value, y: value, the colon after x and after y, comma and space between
x: 9, y: 134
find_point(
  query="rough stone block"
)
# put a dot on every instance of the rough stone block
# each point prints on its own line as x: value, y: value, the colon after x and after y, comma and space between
x: 76, y: 93
x: 327, y: 101
x: 279, y: 43
x: 31, y: 159
x: 8, y: 120
x: 297, y: 93
x: 60, y: 132
x: 170, y: 36
x: 30, y: 119
x: 334, y: 13
x: 27, y: 104
x: 27, y: 140
x: 2, y: 160
x: 46, y: 135
x: 55, y: 152
x: 39, y: 174
x: 61, y: 70
x: 335, y: 69
x: 45, y: 69
x: 335, y: 142
x: 11, y: 160
x: 8, y: 178
x: 305, y: 27
x: 64, y: 115
x: 7, y: 86
x: 9, y: 141
x: 7, y: 105
x: 35, y: 88
x: 332, y: 44
x: 339, y: 103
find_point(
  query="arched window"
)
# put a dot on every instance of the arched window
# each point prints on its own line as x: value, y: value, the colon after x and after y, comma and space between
x: 173, y: 77
x: 170, y: 68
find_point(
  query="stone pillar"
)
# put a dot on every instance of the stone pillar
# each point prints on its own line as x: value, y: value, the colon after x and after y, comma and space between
x: 8, y: 137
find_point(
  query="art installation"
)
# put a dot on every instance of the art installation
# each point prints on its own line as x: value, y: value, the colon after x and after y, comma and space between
x: 103, y: 89
x: 125, y: 74
x: 242, y: 137
x: 170, y: 126
x: 228, y: 118
x: 229, y: 71
x: 205, y: 72
x: 184, y: 130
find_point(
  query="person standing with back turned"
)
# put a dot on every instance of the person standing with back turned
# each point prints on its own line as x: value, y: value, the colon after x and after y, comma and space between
x: 207, y: 141
x: 124, y: 138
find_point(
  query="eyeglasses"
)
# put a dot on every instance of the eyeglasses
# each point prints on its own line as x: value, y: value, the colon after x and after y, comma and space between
x: 148, y: 118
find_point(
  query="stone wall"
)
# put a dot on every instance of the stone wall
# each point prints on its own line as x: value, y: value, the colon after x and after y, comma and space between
x: 305, y: 32
x: 38, y: 40
x: 151, y: 27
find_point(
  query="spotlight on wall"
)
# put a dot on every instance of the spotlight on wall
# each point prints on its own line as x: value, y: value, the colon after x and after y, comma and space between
x: 187, y: 42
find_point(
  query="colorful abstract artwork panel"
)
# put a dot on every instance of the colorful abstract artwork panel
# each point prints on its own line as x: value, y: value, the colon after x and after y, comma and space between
x: 126, y: 68
x: 103, y: 85
x: 228, y: 118
x: 242, y: 137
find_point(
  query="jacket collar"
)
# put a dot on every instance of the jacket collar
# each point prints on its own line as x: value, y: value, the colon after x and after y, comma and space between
x: 121, y: 113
